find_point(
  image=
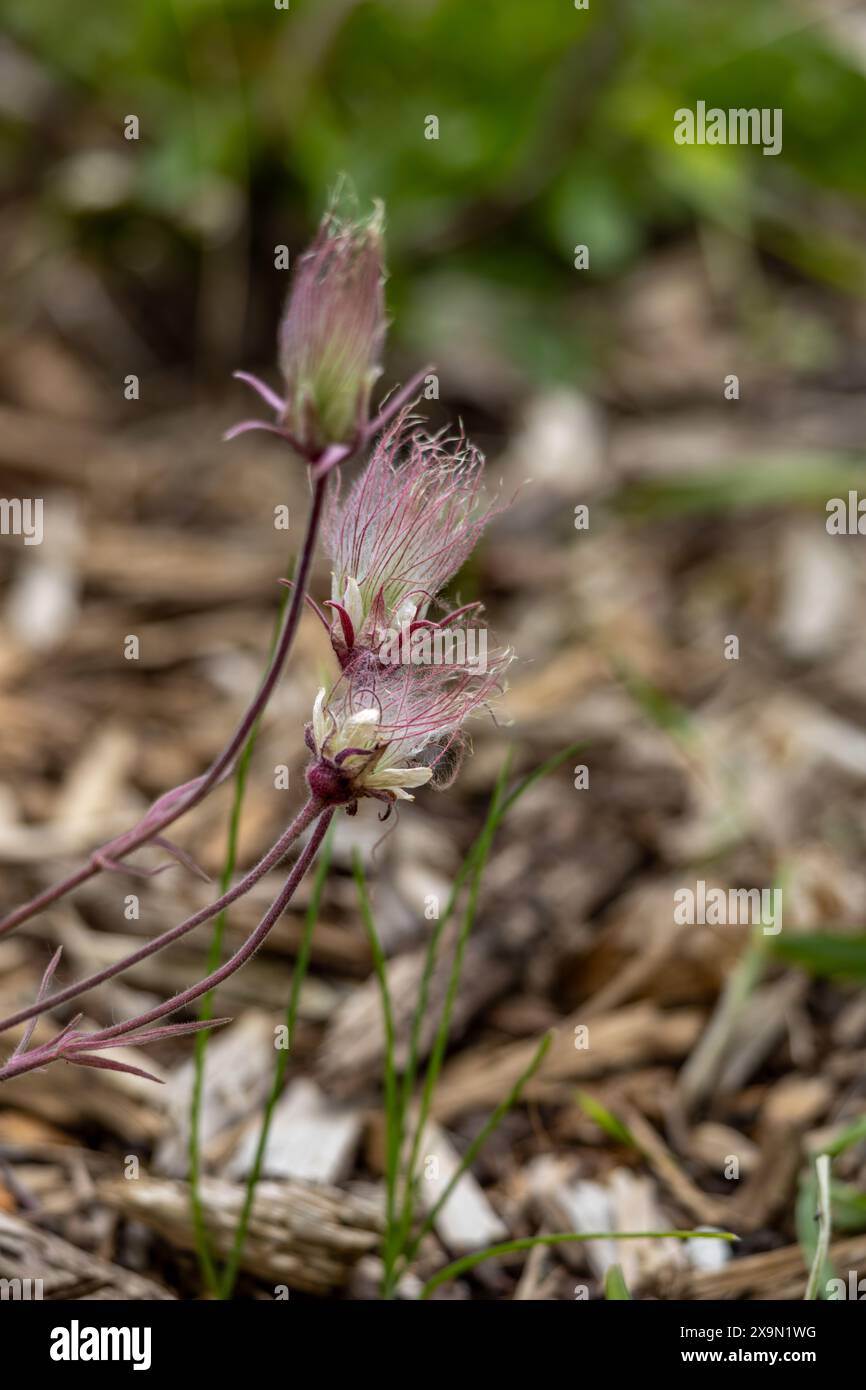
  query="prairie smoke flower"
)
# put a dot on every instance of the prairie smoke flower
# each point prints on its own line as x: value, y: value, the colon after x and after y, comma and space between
x: 404, y: 528
x: 330, y: 339
x: 380, y: 734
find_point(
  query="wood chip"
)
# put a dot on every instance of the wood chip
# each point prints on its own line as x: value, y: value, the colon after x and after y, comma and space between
x: 467, y: 1221
x: 66, y: 1273
x: 305, y: 1235
x: 310, y: 1137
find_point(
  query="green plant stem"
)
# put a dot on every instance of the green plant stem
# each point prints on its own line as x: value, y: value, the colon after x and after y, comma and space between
x: 615, y: 1287
x: 474, y: 864
x: 825, y: 1221
x: 203, y: 1246
x: 453, y: 1271
x: 853, y: 1134
x: 478, y: 1143
x: 495, y: 815
x: 393, y: 1113
x: 299, y: 975
x: 707, y: 1057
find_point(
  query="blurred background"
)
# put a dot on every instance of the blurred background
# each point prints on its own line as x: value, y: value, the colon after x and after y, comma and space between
x: 154, y: 258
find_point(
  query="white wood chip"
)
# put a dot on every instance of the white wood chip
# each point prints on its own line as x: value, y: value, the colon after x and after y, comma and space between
x: 467, y: 1220
x: 311, y: 1137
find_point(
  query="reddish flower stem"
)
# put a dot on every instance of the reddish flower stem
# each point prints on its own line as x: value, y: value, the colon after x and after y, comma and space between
x: 148, y: 828
x: 166, y: 938
x: 152, y: 825
x: 52, y: 1052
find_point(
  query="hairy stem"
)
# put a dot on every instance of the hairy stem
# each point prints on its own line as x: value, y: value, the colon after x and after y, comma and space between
x: 52, y: 1052
x: 183, y: 799
x: 151, y: 826
x: 166, y: 938
x: 299, y: 974
x: 202, y: 1243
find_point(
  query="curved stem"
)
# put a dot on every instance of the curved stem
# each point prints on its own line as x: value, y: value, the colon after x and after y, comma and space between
x: 202, y: 1241
x: 166, y: 938
x: 250, y: 946
x: 44, y: 899
x: 153, y: 825
x: 177, y: 803
x: 52, y: 1053
x: 299, y: 975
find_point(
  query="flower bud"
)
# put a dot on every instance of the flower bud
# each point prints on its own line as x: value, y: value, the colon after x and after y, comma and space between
x: 332, y: 332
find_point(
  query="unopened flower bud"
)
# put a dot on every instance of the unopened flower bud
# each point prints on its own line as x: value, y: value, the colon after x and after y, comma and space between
x: 332, y: 331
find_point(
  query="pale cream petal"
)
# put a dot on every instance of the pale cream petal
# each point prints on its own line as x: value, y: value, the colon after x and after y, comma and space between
x: 413, y: 776
x: 360, y: 728
x: 320, y: 727
x: 353, y: 603
x: 392, y: 778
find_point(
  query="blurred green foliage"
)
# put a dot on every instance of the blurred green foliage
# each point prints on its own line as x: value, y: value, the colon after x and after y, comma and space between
x: 556, y: 128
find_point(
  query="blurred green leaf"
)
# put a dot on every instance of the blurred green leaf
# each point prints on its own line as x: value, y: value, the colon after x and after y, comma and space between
x: 825, y: 954
x: 615, y: 1287
x: 605, y: 1120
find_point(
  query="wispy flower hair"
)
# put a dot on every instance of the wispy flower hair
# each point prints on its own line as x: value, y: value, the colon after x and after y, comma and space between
x: 393, y: 720
x: 380, y: 732
x: 405, y: 526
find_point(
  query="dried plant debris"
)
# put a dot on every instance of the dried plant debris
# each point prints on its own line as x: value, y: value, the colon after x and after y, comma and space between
x: 305, y: 1235
x: 681, y: 905
x: 42, y: 1265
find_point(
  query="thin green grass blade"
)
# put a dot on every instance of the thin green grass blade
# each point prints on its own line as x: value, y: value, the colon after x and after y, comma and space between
x: 615, y: 1287
x: 473, y: 864
x: 393, y: 1113
x: 440, y: 1042
x: 495, y: 814
x: 203, y: 1247
x: 299, y: 975
x: 825, y: 954
x: 420, y: 1011
x: 508, y: 1247
x: 776, y: 478
x: 433, y: 947
x: 480, y: 1140
x: 606, y: 1120
x: 543, y: 770
x: 214, y: 958
x: 854, y: 1134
